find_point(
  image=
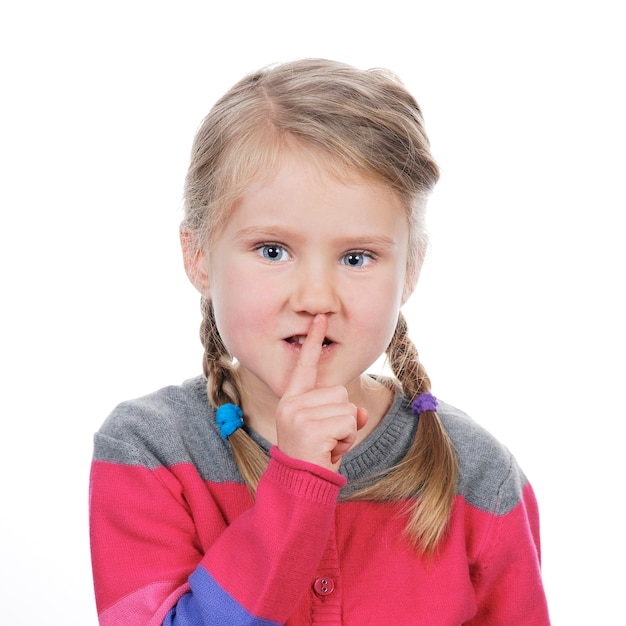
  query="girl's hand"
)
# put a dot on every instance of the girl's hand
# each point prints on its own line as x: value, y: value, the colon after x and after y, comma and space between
x: 316, y: 424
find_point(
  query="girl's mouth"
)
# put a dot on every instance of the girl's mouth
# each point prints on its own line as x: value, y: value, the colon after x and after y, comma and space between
x: 299, y: 339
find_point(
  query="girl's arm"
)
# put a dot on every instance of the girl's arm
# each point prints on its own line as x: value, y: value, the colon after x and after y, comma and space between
x: 149, y: 566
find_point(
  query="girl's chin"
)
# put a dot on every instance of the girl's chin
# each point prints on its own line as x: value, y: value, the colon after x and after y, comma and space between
x: 259, y: 387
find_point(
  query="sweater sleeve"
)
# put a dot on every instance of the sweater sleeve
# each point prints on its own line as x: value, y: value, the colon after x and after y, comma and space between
x: 507, y: 577
x: 149, y: 568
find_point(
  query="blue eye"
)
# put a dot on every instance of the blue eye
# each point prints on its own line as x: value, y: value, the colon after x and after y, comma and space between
x: 356, y: 259
x: 273, y: 252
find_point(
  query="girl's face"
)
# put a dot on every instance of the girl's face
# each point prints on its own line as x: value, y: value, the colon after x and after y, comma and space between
x: 302, y: 244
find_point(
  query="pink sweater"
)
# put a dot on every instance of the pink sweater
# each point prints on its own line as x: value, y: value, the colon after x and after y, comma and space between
x: 178, y: 540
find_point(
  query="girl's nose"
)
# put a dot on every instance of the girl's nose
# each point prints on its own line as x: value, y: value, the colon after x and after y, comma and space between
x: 314, y: 291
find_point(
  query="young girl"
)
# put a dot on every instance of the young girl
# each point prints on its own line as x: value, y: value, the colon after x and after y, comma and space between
x: 286, y: 485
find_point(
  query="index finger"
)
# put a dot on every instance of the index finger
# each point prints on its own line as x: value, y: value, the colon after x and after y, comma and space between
x: 304, y: 375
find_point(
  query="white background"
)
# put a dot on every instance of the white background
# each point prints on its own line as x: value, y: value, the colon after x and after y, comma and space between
x: 518, y: 315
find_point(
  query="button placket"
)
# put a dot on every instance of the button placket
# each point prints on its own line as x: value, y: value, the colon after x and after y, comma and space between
x: 325, y: 587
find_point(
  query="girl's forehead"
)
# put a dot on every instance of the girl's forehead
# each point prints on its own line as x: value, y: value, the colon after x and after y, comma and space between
x: 290, y: 165
x: 303, y: 195
x: 314, y: 165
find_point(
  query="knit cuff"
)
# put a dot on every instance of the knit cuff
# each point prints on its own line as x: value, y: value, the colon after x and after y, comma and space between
x: 303, y: 479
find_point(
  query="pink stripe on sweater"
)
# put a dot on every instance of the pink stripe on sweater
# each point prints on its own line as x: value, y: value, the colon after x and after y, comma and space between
x: 144, y: 607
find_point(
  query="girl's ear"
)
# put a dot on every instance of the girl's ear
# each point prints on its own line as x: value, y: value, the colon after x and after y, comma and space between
x: 194, y: 258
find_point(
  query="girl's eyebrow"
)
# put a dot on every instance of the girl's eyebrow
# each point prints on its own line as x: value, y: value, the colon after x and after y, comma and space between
x: 269, y: 232
x: 265, y: 231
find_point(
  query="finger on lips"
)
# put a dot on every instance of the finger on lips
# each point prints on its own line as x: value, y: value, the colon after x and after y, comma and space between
x: 304, y: 374
x: 311, y: 406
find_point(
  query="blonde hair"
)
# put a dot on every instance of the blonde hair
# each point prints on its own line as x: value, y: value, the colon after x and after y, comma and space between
x: 355, y: 122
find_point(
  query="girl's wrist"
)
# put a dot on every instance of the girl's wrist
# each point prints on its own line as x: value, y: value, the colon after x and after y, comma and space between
x: 298, y: 470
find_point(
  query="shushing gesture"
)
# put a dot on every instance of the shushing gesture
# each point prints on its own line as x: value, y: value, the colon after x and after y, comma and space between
x: 316, y: 424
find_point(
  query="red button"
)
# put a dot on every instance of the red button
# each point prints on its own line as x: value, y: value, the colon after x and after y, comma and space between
x: 324, y: 586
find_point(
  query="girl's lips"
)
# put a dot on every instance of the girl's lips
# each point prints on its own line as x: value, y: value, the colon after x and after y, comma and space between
x: 299, y: 339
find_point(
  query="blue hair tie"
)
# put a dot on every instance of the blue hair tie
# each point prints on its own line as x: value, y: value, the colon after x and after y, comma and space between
x: 229, y: 419
x: 424, y: 402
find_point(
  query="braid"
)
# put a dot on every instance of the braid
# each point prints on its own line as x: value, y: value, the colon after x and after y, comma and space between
x: 430, y: 467
x: 405, y: 363
x: 222, y: 388
x: 217, y: 364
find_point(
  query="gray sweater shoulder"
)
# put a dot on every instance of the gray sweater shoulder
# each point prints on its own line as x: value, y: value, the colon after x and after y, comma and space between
x: 489, y: 477
x: 171, y: 426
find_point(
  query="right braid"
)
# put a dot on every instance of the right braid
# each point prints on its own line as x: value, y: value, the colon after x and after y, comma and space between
x: 429, y: 469
x: 222, y: 388
x: 405, y: 362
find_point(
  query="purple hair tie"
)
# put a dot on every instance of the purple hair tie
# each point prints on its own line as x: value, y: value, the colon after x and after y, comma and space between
x: 424, y: 402
x: 229, y: 419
